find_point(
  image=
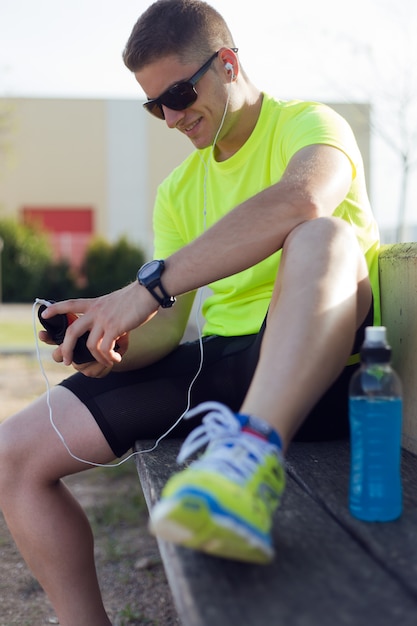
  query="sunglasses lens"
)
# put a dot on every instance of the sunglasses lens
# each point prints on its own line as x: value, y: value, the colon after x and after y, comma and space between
x: 179, y: 97
x: 155, y: 109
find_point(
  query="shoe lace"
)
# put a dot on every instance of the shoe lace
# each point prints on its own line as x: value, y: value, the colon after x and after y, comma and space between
x: 234, y: 453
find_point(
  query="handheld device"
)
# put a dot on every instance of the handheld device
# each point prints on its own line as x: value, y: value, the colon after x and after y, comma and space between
x: 56, y: 327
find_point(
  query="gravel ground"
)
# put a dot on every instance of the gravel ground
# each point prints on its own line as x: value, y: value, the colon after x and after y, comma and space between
x: 131, y: 574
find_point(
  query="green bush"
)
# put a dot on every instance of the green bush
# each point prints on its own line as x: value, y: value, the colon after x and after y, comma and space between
x: 108, y: 267
x: 29, y: 272
x: 25, y: 257
x: 59, y: 282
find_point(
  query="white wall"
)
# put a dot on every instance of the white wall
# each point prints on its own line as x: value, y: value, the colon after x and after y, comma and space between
x: 127, y: 172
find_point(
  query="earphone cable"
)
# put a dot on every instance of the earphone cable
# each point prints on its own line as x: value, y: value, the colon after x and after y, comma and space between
x: 198, y: 327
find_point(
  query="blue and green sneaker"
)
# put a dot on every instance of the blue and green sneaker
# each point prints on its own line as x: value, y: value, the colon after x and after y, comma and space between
x: 223, y: 503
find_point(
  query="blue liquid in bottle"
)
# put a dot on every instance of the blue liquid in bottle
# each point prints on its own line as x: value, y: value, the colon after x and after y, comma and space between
x: 375, y: 412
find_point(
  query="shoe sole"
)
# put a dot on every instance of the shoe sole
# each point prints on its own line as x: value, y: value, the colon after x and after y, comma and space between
x: 189, y: 520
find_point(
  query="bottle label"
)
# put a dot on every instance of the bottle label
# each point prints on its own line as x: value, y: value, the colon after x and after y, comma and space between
x: 375, y: 480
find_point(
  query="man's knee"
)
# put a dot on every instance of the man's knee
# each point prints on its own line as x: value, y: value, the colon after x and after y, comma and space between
x: 329, y: 239
x: 22, y: 437
x: 322, y: 229
x: 9, y: 454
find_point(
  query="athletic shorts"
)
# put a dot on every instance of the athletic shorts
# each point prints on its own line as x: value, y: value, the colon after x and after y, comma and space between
x: 145, y: 403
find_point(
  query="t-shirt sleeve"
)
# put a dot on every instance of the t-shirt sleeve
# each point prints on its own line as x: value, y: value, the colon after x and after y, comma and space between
x: 167, y: 235
x: 315, y: 123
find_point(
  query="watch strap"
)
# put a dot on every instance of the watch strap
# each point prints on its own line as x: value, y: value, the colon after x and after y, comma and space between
x: 154, y: 285
x: 164, y: 299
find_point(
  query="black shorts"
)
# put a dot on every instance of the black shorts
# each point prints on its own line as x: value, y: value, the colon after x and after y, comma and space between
x: 145, y: 403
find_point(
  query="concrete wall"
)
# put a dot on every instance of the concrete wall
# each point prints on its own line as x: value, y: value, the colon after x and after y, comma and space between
x: 126, y: 177
x: 106, y: 154
x: 398, y: 278
x: 56, y: 156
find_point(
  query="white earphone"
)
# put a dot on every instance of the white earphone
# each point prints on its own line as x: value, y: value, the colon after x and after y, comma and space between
x: 229, y: 68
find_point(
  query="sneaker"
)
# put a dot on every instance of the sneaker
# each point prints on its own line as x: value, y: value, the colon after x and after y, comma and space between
x: 223, y: 503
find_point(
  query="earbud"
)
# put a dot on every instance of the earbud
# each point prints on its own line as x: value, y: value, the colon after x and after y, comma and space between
x: 229, y: 68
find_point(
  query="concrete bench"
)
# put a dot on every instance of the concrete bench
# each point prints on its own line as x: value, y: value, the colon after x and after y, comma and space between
x: 398, y: 280
x: 330, y: 569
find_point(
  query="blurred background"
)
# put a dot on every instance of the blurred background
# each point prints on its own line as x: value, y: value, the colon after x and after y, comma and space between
x: 80, y: 160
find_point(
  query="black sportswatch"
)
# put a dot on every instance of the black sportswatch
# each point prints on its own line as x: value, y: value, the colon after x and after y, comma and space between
x: 149, y: 276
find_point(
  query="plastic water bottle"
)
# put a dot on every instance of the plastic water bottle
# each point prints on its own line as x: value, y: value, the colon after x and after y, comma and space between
x: 375, y: 414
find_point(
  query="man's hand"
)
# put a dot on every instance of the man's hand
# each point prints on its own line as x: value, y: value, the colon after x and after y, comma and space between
x: 93, y: 369
x: 108, y: 319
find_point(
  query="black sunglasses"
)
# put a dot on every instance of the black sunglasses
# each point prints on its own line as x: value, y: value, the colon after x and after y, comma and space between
x: 181, y: 95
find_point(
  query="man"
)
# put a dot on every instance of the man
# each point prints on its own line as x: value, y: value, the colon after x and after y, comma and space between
x: 271, y: 211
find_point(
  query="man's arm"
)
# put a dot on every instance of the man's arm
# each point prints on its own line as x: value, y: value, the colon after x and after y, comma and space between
x: 151, y: 342
x: 143, y: 345
x: 315, y: 182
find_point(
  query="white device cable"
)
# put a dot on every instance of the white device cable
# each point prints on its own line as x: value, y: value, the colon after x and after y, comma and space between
x: 197, y: 319
x: 50, y: 411
x: 207, y: 164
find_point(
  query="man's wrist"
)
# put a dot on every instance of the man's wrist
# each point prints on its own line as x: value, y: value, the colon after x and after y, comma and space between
x: 149, y: 275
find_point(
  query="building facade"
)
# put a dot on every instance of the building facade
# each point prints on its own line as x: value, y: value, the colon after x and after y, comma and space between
x: 80, y: 168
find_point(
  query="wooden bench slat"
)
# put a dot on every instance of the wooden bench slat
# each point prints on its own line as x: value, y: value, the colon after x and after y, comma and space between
x: 323, y: 469
x: 321, y: 576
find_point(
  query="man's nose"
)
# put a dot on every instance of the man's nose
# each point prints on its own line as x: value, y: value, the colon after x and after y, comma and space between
x: 172, y: 117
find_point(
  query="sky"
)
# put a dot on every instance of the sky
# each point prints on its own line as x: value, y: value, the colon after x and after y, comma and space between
x: 73, y: 47
x: 361, y: 50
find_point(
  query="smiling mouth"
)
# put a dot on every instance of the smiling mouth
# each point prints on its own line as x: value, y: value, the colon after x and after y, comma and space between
x: 187, y: 129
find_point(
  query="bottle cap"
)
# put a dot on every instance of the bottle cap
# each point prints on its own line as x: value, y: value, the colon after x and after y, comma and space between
x: 375, y: 348
x: 376, y: 334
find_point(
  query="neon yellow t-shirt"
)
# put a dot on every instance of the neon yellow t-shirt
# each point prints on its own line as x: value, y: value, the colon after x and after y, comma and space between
x: 201, y: 191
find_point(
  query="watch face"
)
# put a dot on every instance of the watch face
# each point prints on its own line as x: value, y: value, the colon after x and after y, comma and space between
x: 149, y: 275
x: 148, y: 269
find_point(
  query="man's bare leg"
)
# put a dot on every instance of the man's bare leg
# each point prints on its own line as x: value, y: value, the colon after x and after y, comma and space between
x: 47, y: 523
x: 321, y: 297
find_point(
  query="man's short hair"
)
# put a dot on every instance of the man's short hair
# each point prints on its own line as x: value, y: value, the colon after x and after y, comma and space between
x: 189, y: 29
